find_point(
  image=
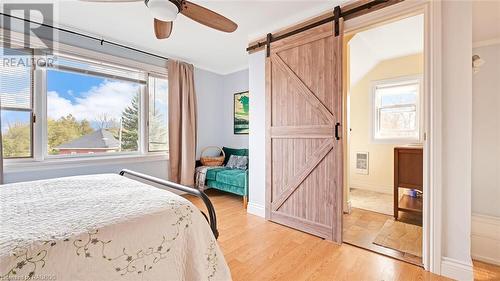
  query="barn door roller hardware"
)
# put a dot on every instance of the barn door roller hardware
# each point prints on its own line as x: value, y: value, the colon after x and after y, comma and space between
x: 337, y: 14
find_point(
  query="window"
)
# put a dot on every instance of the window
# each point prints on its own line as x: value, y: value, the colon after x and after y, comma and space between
x: 16, y: 87
x: 91, y: 109
x: 396, y: 110
x: 158, y: 115
x: 83, y: 107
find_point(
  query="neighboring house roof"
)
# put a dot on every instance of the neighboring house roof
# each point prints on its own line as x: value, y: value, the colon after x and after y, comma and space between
x: 100, y: 139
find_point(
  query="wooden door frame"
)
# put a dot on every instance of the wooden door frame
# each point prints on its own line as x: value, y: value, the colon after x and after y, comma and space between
x: 431, y: 250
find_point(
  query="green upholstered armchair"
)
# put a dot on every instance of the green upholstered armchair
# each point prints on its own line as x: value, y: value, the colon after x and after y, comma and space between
x: 230, y: 180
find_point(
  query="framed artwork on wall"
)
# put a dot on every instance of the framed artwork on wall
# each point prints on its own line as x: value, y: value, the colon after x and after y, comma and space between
x: 240, y: 116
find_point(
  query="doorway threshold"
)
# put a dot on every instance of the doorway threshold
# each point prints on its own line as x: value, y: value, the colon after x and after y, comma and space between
x: 362, y: 227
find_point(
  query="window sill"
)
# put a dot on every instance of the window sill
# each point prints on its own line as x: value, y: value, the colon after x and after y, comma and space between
x: 59, y: 163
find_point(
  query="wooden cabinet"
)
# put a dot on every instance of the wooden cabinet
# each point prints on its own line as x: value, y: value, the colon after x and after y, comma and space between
x: 408, y: 173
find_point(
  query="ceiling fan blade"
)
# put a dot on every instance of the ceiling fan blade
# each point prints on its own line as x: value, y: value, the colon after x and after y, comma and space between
x: 163, y: 28
x: 207, y: 17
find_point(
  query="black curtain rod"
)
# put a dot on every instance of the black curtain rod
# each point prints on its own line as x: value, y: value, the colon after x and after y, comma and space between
x: 347, y: 13
x: 101, y: 41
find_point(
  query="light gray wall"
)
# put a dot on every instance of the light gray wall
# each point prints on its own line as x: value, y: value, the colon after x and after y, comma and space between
x: 236, y: 82
x: 456, y: 133
x: 257, y: 143
x: 215, y: 108
x: 208, y: 87
x: 486, y: 134
x: 154, y: 168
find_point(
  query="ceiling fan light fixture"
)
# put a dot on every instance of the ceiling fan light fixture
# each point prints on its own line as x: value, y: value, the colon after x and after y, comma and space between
x: 164, y: 10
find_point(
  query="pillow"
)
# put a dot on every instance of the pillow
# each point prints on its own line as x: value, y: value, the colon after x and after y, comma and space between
x: 234, y: 151
x: 237, y: 162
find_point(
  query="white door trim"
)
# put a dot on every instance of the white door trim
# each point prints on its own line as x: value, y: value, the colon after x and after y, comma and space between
x: 431, y: 250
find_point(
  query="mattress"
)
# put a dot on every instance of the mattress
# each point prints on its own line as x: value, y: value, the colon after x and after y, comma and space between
x: 103, y: 227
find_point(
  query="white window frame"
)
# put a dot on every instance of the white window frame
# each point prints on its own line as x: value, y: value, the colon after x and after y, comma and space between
x: 40, y: 157
x: 400, y: 81
x: 148, y: 121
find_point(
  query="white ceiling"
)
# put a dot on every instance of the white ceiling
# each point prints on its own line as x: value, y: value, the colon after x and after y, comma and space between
x: 132, y: 24
x: 397, y: 39
x: 485, y: 20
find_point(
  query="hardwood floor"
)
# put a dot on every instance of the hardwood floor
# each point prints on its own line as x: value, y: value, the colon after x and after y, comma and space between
x: 256, y: 249
x: 372, y: 201
x: 484, y: 271
x: 361, y: 227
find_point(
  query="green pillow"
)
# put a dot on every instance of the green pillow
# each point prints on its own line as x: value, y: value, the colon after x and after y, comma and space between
x: 234, y: 151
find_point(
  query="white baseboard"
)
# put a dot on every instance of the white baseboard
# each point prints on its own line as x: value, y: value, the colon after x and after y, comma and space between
x: 348, y: 209
x: 456, y: 269
x: 388, y: 189
x: 256, y: 209
x: 485, y: 238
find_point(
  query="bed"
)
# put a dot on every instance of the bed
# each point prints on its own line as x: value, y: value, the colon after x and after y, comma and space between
x: 106, y: 227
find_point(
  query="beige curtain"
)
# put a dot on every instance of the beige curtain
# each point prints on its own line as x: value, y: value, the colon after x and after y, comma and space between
x: 182, y: 122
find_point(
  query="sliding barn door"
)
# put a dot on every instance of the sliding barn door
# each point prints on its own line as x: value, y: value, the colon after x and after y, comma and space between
x: 304, y: 158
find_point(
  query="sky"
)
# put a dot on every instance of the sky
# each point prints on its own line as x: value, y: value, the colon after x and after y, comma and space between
x: 87, y: 97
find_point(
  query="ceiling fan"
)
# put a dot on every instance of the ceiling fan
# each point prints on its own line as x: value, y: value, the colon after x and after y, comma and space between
x: 165, y: 12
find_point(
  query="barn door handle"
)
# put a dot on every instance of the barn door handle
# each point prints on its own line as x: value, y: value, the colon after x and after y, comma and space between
x: 337, y: 136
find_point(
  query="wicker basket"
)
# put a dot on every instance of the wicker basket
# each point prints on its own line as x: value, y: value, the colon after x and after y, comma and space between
x: 212, y: 160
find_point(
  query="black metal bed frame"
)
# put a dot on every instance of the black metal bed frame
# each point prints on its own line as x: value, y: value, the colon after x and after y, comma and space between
x: 211, y: 219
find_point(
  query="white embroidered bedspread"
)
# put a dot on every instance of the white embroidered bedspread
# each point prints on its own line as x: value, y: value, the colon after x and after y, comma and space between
x: 103, y: 227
